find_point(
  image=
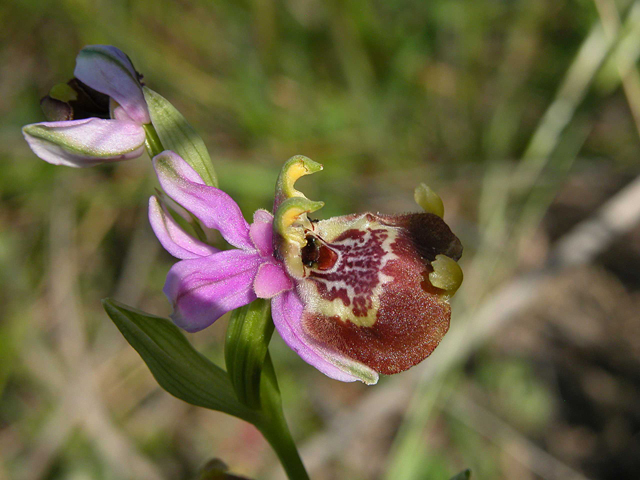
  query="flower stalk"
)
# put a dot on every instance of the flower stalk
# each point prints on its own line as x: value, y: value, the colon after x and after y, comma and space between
x: 275, y: 430
x: 252, y: 375
x: 152, y: 142
x: 246, y: 347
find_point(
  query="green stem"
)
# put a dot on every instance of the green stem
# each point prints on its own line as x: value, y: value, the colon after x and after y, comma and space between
x: 248, y: 335
x: 285, y: 448
x: 251, y: 372
x: 152, y: 142
x: 275, y: 428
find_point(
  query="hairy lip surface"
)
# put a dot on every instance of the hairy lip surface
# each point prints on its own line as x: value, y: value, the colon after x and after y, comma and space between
x: 376, y: 304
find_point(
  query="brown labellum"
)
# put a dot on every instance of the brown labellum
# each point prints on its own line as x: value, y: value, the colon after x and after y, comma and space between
x: 366, y: 289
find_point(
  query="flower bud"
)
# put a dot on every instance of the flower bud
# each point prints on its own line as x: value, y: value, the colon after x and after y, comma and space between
x: 96, y: 117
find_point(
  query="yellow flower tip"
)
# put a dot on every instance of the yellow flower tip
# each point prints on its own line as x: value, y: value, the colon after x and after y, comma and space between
x: 429, y: 200
x: 291, y: 208
x: 291, y: 211
x: 294, y: 168
x: 447, y: 274
x: 289, y: 225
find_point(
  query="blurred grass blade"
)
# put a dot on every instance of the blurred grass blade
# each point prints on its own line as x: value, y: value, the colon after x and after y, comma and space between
x: 590, y: 56
x: 178, y: 135
x: 625, y: 54
x: 175, y: 364
x: 247, y: 343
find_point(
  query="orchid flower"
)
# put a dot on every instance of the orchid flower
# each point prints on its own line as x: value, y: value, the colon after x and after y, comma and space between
x: 98, y: 116
x: 354, y: 296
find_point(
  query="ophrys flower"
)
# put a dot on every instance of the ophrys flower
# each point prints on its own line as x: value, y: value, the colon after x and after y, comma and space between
x: 354, y: 296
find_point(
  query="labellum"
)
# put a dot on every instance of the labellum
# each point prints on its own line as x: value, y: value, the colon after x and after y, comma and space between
x: 375, y: 287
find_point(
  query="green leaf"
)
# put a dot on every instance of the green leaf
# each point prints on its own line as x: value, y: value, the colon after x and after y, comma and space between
x: 464, y: 475
x: 176, y: 134
x: 176, y: 365
x: 247, y: 343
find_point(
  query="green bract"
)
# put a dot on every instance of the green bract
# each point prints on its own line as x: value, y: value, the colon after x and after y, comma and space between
x: 178, y: 135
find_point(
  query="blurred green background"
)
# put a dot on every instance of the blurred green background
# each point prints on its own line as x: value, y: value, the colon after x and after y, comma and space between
x: 523, y: 115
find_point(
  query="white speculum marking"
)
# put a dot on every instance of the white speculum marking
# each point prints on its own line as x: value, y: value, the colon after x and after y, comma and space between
x: 351, y: 288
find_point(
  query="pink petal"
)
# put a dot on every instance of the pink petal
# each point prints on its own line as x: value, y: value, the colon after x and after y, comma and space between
x: 203, y: 289
x: 261, y: 232
x: 108, y: 70
x: 120, y: 113
x: 287, y: 310
x: 175, y: 240
x: 85, y: 142
x: 262, y: 216
x: 271, y: 280
x: 210, y: 205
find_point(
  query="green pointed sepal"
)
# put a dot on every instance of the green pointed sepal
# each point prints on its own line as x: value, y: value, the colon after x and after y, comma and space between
x: 176, y: 134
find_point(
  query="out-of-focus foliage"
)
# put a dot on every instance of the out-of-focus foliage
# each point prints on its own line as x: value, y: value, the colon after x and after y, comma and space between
x: 501, y: 106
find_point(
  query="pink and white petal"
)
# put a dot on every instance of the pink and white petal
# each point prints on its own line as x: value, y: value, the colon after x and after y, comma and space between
x: 119, y: 113
x: 261, y: 233
x: 203, y: 289
x: 108, y: 70
x: 175, y: 240
x: 210, y: 205
x: 287, y: 309
x: 85, y: 142
x: 271, y: 280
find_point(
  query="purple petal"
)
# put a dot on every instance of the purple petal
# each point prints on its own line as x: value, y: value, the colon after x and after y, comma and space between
x: 262, y: 216
x: 120, y: 113
x: 261, y: 232
x: 271, y: 280
x: 210, y: 205
x: 287, y: 317
x: 203, y: 289
x: 109, y: 71
x: 85, y: 142
x: 175, y: 240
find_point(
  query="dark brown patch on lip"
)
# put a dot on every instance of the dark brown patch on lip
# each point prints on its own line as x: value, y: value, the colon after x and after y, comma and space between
x: 429, y: 234
x: 411, y: 320
x: 316, y: 254
x: 327, y: 258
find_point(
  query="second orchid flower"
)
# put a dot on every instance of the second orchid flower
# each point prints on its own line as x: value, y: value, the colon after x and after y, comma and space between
x: 97, y: 117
